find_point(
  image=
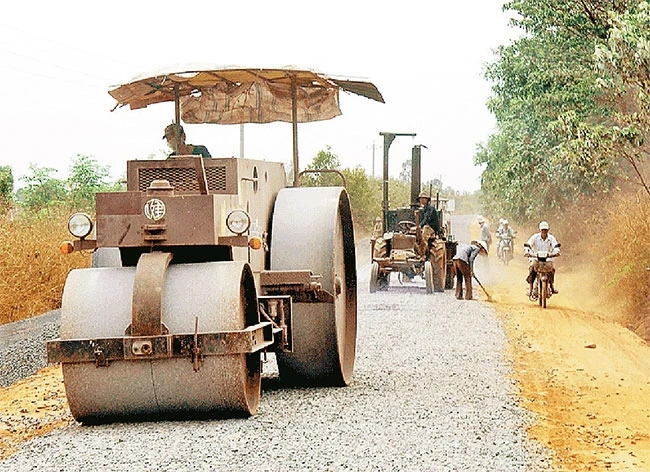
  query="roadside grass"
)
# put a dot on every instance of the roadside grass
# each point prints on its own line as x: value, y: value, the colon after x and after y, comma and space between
x: 33, y: 270
x: 611, y: 236
x: 625, y: 258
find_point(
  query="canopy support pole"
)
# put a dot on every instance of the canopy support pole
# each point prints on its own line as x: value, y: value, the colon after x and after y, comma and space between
x: 177, y: 118
x: 294, y: 125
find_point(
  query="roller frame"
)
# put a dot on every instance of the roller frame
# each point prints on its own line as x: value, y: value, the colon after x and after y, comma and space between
x: 148, y: 338
x: 104, y: 351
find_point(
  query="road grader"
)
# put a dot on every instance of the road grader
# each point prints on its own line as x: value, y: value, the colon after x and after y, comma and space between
x: 200, y: 268
x: 399, y: 246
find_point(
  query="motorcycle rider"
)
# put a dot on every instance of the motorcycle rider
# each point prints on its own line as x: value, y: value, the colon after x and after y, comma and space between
x: 504, y: 232
x: 500, y: 227
x: 542, y: 241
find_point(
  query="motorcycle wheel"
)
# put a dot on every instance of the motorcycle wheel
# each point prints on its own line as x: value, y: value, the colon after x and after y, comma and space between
x: 543, y: 293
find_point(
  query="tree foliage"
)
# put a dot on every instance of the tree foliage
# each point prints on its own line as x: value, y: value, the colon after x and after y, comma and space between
x: 42, y: 189
x: 366, y: 193
x: 87, y: 177
x: 560, y: 137
x: 6, y: 186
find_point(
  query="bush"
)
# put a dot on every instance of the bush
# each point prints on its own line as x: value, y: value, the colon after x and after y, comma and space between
x: 33, y: 270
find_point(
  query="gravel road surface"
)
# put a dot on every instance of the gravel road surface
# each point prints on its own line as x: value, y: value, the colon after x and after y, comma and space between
x: 22, y: 346
x: 431, y: 392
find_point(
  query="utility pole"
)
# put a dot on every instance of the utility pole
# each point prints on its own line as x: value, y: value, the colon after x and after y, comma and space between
x: 373, y: 159
x: 388, y: 140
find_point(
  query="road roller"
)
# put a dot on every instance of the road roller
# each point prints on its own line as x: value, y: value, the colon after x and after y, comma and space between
x: 202, y: 266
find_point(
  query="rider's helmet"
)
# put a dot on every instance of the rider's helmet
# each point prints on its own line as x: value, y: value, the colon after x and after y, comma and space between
x: 543, y: 225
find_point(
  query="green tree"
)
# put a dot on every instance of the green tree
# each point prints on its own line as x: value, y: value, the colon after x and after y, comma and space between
x: 324, y: 160
x: 363, y: 200
x: 6, y: 186
x: 549, y: 103
x: 87, y: 177
x: 42, y: 189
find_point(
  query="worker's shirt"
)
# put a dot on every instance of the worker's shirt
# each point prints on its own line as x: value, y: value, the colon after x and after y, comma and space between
x: 536, y: 243
x: 485, y: 234
x: 467, y: 253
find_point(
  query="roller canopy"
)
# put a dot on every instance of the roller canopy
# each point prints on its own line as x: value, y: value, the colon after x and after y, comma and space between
x: 235, y: 95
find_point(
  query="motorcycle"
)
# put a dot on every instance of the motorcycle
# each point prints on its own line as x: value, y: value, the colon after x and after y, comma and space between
x: 505, y: 251
x: 543, y: 267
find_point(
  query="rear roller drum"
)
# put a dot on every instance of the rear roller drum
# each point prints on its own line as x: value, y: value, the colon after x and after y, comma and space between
x: 321, y: 240
x: 97, y: 304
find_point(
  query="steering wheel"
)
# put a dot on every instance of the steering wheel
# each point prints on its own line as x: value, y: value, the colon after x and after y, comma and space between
x: 406, y: 226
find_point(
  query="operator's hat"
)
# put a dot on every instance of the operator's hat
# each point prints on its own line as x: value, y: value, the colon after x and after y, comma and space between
x: 173, y: 128
x: 424, y: 195
x: 543, y: 225
x: 482, y: 245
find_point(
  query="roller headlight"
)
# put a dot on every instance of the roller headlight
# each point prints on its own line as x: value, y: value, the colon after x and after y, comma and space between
x: 80, y: 225
x: 238, y: 221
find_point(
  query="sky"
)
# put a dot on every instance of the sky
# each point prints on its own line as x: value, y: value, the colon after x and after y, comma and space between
x: 59, y: 59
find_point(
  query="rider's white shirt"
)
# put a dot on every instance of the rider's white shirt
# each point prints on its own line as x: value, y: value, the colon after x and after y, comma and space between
x: 538, y: 244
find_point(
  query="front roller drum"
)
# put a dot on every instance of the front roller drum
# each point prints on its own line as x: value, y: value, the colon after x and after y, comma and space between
x: 312, y: 230
x: 97, y: 304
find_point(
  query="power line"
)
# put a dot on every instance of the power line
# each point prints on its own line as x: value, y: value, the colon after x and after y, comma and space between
x: 48, y: 41
x: 49, y: 64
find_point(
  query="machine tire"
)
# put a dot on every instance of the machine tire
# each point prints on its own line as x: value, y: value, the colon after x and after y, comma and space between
x: 543, y: 293
x: 451, y: 247
x: 428, y: 276
x: 324, y: 334
x: 223, y: 297
x: 438, y: 258
x: 380, y: 248
x: 374, y: 277
x: 449, y: 276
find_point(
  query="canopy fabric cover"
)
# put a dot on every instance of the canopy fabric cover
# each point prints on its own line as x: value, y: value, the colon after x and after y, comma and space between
x: 235, y: 95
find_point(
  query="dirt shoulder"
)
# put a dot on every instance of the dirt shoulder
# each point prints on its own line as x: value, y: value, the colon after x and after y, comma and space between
x: 586, y: 377
x: 32, y: 407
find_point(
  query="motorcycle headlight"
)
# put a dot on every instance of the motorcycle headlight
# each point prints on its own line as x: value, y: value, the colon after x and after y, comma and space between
x: 80, y: 225
x: 238, y: 221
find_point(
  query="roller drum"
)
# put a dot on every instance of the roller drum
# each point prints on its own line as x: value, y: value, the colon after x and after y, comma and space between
x: 312, y: 229
x: 97, y: 304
